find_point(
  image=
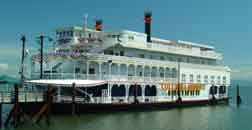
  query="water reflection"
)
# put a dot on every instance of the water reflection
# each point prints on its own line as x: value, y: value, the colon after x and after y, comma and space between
x: 221, y: 117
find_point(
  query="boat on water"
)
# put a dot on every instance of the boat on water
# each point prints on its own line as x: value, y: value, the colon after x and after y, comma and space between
x: 129, y: 70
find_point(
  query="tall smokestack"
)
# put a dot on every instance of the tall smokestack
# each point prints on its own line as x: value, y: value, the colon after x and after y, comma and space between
x: 147, y: 20
x: 98, y: 25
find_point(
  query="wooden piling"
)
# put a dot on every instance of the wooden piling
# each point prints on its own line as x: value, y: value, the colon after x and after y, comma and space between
x: 1, y: 122
x: 135, y: 94
x: 179, y: 100
x: 6, y: 123
x: 46, y: 108
x: 49, y: 105
x: 15, y: 111
x: 38, y: 115
x: 213, y: 100
x: 238, y: 97
x: 16, y: 106
x: 73, y: 99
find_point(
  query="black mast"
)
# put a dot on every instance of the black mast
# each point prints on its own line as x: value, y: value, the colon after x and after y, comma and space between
x: 41, y: 37
x: 23, y: 39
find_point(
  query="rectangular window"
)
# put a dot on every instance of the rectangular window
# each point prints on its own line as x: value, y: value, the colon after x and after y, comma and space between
x: 191, y: 78
x: 57, y: 34
x: 218, y: 80
x: 161, y: 57
x: 198, y: 79
x: 224, y: 80
x: 202, y: 61
x: 91, y: 71
x: 183, y: 78
x: 141, y: 55
x: 71, y: 33
x: 161, y: 74
x: 110, y: 52
x: 77, y: 70
x: 131, y: 37
x: 151, y: 56
x: 121, y: 53
x: 64, y: 34
x: 174, y: 73
x: 212, y: 79
x: 61, y: 34
x: 206, y: 79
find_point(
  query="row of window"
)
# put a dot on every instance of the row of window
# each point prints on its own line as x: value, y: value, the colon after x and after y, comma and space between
x: 64, y: 34
x: 183, y: 92
x: 207, y: 79
x: 185, y: 59
x: 180, y: 58
x: 172, y: 73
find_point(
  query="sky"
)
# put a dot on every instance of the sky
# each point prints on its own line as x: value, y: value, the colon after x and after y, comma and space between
x: 225, y: 24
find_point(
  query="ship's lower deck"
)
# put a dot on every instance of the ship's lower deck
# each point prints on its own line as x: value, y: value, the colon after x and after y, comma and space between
x: 67, y: 108
x: 93, y: 96
x: 129, y: 92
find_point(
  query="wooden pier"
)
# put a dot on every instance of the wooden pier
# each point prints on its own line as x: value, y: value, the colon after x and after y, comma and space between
x: 33, y: 105
x: 18, y: 98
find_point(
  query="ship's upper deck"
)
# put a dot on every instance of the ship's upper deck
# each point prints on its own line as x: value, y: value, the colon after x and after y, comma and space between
x: 181, y: 43
x: 99, y: 39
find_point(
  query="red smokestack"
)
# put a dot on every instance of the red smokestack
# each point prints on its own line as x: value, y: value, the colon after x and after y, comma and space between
x: 98, y: 25
x: 147, y: 20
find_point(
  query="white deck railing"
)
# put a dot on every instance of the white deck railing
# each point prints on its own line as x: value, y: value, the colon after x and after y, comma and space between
x: 136, y: 60
x: 97, y: 100
x: 176, y: 50
x: 8, y: 97
x: 102, y: 77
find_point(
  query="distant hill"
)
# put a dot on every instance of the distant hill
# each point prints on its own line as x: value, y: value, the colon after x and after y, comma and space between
x: 9, y: 79
x: 247, y: 83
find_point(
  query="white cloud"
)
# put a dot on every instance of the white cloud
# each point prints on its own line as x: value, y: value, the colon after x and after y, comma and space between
x: 3, y: 67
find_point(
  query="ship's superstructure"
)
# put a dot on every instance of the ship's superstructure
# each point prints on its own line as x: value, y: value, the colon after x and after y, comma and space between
x: 127, y: 66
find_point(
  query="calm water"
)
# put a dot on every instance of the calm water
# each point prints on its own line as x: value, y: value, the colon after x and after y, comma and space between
x: 224, y: 117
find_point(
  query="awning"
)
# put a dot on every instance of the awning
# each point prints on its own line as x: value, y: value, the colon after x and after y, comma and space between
x: 66, y: 83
